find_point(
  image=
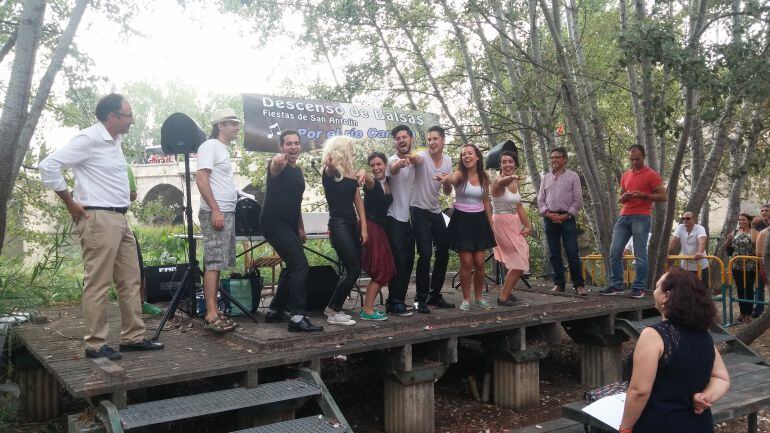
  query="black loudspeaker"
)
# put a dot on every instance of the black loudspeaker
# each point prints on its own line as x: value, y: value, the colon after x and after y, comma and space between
x: 247, y: 212
x: 180, y: 134
x: 493, y: 156
x: 321, y: 282
x: 162, y: 281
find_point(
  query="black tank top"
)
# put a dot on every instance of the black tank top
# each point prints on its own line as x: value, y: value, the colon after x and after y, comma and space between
x: 376, y: 203
x: 683, y: 370
x: 283, y: 198
x: 339, y: 197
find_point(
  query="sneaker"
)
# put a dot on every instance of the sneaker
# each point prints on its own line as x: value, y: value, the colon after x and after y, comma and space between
x: 304, y: 325
x: 398, y: 310
x: 422, y: 307
x: 340, y: 319
x: 465, y: 306
x: 377, y: 315
x: 512, y: 301
x: 611, y: 291
x: 277, y: 317
x: 328, y: 312
x: 103, y: 352
x: 150, y: 309
x: 637, y: 294
x: 483, y: 304
x: 439, y: 302
x: 143, y: 345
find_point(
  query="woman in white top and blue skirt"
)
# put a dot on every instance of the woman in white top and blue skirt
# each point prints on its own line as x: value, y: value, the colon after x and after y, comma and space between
x: 470, y: 228
x: 511, y: 226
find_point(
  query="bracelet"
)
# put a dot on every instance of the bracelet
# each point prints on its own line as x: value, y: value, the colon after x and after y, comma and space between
x: 625, y: 430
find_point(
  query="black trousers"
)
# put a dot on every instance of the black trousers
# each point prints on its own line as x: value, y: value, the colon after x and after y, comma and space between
x: 291, y: 290
x: 346, y: 240
x: 430, y: 233
x: 745, y: 288
x: 401, y: 238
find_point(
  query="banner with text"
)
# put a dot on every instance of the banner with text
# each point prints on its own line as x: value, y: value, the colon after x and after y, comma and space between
x: 266, y: 116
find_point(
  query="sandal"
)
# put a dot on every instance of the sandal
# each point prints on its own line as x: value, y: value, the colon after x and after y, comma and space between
x: 581, y: 291
x: 218, y: 326
x: 228, y: 320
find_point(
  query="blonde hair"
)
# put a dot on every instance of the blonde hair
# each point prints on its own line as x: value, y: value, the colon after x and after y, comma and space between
x: 339, y: 149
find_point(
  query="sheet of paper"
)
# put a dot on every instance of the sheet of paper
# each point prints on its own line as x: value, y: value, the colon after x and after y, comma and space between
x: 608, y: 410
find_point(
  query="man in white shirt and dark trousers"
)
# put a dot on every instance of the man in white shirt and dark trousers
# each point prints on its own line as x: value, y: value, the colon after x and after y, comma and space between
x: 98, y: 206
x: 400, y: 173
x: 428, y: 223
x: 693, y: 240
x: 217, y: 211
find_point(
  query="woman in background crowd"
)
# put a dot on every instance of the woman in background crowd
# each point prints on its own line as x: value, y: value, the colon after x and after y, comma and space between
x: 377, y: 260
x: 742, y: 242
x: 470, y: 228
x: 510, y: 225
x: 677, y: 372
x: 347, y: 231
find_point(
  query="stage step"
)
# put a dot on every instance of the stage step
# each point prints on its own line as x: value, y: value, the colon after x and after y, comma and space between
x: 312, y: 424
x: 271, y: 396
x: 734, y: 352
x: 173, y: 409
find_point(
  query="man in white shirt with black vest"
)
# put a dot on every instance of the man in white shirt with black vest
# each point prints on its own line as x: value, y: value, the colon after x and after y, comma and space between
x: 430, y: 231
x: 98, y: 206
x: 216, y: 215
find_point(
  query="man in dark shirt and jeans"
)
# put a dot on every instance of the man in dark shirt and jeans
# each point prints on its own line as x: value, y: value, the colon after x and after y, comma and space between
x: 558, y: 202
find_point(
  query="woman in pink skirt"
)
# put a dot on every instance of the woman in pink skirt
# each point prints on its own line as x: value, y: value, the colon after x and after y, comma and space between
x: 377, y: 260
x: 511, y: 226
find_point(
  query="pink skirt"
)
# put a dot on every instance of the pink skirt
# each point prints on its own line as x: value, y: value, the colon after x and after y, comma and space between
x: 377, y: 260
x: 512, y: 248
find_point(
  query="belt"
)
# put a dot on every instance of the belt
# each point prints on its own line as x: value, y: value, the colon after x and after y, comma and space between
x: 122, y: 210
x: 559, y: 212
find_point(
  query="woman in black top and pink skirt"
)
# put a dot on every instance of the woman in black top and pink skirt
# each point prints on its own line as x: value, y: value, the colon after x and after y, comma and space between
x: 470, y: 228
x: 377, y: 259
x: 347, y: 231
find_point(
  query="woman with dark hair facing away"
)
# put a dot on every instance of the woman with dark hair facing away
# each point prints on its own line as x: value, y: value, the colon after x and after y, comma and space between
x: 346, y: 231
x: 377, y: 259
x: 281, y: 223
x: 511, y: 226
x: 742, y: 242
x: 470, y: 228
x: 677, y: 371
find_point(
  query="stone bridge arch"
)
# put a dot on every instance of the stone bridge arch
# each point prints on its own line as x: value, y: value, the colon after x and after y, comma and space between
x: 169, y: 197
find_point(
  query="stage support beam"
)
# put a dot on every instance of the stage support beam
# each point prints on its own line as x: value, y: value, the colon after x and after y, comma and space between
x: 601, y: 349
x: 516, y: 359
x: 39, y: 390
x: 409, y: 379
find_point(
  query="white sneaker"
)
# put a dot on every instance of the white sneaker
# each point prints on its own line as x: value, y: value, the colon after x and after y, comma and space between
x: 329, y: 312
x: 340, y: 319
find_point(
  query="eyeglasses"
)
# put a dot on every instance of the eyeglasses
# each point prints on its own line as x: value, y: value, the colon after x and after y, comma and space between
x: 686, y: 218
x: 129, y: 115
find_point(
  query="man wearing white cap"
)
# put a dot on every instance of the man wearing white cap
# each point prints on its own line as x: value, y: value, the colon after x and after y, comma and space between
x: 217, y: 212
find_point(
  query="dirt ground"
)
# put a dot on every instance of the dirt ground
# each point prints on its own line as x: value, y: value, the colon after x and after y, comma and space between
x: 356, y: 386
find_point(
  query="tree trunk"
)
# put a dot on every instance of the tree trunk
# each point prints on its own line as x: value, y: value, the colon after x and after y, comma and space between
x: 468, y: 62
x: 633, y: 85
x: 394, y: 63
x: 648, y: 106
x: 46, y: 83
x: 17, y: 99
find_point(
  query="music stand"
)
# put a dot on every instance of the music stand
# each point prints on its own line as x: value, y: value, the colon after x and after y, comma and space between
x: 179, y: 134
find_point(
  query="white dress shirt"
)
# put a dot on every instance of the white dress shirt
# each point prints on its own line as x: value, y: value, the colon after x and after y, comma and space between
x: 98, y: 165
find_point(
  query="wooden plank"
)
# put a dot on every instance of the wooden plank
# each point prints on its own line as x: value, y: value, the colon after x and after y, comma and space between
x: 559, y: 425
x: 109, y: 369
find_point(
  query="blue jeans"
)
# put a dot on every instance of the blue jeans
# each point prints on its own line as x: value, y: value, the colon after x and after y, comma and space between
x: 627, y: 227
x: 566, y: 233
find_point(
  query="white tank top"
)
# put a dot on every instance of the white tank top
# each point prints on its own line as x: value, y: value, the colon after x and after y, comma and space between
x: 469, y: 198
x: 506, y: 203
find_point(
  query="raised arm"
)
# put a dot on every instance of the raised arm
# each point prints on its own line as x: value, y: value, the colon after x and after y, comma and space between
x: 397, y: 165
x: 449, y: 179
x: 277, y: 164
x: 366, y: 179
x: 502, y: 182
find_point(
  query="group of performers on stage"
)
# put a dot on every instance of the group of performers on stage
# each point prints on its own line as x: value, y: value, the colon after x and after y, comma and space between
x: 378, y: 232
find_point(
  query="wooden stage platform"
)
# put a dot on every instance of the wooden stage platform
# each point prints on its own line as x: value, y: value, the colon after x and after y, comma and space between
x: 193, y: 353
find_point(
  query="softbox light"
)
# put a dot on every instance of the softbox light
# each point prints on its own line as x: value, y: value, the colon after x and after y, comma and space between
x: 180, y: 134
x: 493, y: 156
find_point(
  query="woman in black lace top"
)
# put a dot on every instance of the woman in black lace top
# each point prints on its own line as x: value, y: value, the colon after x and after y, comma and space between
x: 677, y: 371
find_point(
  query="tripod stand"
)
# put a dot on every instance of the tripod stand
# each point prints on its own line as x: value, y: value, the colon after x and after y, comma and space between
x: 193, y: 273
